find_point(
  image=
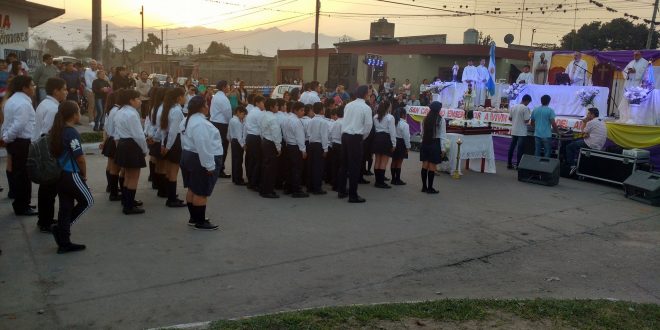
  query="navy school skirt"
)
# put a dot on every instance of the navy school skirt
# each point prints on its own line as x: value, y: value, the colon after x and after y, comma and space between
x: 400, y: 152
x: 431, y: 152
x: 129, y: 154
x: 382, y: 144
x: 154, y: 150
x: 194, y: 174
x: 109, y: 147
x: 174, y: 154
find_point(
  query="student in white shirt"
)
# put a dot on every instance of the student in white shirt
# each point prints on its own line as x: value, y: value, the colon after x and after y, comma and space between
x: 282, y: 170
x: 294, y: 135
x: 356, y: 126
x: 402, y: 145
x: 519, y: 116
x: 384, y: 142
x: 525, y: 77
x: 170, y: 121
x: 201, y: 158
x: 311, y: 95
x: 220, y: 117
x: 56, y: 92
x: 253, y: 142
x: 192, y: 92
x: 237, y: 137
x: 318, y: 149
x: 335, y: 142
x: 109, y: 146
x: 17, y: 132
x: 271, y: 147
x: 153, y: 133
x: 131, y: 147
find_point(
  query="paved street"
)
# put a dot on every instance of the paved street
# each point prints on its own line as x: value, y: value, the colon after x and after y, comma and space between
x: 482, y: 236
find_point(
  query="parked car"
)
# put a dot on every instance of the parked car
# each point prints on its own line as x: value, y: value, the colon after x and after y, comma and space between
x: 62, y: 59
x: 279, y: 90
x: 161, y: 78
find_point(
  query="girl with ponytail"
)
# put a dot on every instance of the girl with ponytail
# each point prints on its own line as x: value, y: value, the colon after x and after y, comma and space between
x: 74, y: 195
x: 170, y: 122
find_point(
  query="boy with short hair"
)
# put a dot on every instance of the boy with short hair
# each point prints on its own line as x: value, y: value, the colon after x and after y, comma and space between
x: 318, y: 149
x: 237, y: 137
x: 296, y: 152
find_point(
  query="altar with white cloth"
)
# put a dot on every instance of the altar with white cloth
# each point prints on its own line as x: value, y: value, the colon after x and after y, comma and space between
x: 452, y: 94
x: 564, y: 99
x: 477, y: 153
x: 648, y: 112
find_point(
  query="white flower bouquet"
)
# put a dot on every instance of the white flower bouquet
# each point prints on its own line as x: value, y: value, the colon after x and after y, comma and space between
x: 438, y: 86
x: 636, y: 95
x: 587, y: 96
x: 514, y: 90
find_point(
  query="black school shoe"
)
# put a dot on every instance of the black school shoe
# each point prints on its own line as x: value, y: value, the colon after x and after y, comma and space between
x: 175, y: 203
x: 300, y: 194
x: 205, y: 225
x: 192, y: 222
x: 357, y: 199
x: 398, y: 183
x: 382, y: 185
x: 431, y: 191
x: 270, y: 195
x: 133, y: 210
x: 72, y: 247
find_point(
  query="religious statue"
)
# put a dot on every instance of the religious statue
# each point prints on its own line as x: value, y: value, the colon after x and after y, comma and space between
x: 541, y: 71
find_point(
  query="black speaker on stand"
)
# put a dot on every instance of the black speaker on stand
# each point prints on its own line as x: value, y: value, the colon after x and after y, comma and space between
x: 539, y: 170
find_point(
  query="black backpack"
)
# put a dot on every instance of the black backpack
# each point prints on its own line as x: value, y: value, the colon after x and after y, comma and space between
x: 42, y: 167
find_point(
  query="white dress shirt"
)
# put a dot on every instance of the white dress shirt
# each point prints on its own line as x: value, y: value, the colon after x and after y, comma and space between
x: 46, y: 111
x: 127, y: 125
x: 577, y: 71
x: 386, y: 125
x: 154, y: 131
x: 470, y: 73
x: 202, y: 138
x: 597, y: 134
x: 528, y: 78
x: 294, y: 134
x: 90, y: 76
x: 318, y: 131
x: 335, y: 131
x: 188, y: 98
x: 19, y: 118
x: 403, y: 132
x: 250, y: 108
x: 253, y: 122
x: 519, y: 116
x: 110, y: 123
x: 174, y: 119
x: 310, y: 97
x: 357, y: 118
x: 270, y: 129
x: 305, y: 121
x: 237, y: 130
x: 220, y: 108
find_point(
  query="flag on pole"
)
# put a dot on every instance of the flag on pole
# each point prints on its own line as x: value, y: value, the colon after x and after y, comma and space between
x: 491, y: 69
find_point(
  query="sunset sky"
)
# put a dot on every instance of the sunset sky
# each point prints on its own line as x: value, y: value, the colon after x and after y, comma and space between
x: 352, y: 17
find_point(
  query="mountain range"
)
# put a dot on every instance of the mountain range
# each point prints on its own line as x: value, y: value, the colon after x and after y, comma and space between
x: 77, y: 33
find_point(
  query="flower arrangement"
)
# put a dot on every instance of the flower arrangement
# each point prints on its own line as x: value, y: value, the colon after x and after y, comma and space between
x: 636, y: 95
x: 438, y: 86
x: 514, y: 90
x: 587, y: 96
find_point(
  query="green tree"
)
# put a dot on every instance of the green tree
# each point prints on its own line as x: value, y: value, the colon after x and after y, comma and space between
x: 216, y: 48
x: 54, y: 48
x: 617, y: 34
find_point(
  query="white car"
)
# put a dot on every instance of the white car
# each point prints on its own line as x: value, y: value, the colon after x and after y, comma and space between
x: 279, y: 90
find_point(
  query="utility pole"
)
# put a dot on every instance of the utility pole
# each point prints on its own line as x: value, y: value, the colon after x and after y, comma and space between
x: 123, y: 52
x: 97, y: 29
x: 142, y: 15
x: 162, y: 41
x: 316, y: 39
x: 652, y: 27
x: 106, y: 45
x: 522, y: 18
x: 574, y: 27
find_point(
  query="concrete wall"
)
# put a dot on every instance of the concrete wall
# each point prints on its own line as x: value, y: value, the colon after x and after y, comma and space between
x: 307, y: 66
x: 252, y: 71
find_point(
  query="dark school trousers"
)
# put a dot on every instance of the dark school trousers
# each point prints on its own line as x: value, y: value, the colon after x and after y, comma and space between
x: 351, y: 164
x: 316, y: 164
x: 22, y: 185
x: 253, y: 159
x: 46, y: 204
x: 282, y: 168
x: 223, y: 128
x: 295, y: 164
x: 268, y: 166
x: 335, y: 163
x: 236, y: 161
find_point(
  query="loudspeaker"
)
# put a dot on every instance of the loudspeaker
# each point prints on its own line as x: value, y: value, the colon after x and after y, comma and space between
x: 643, y: 187
x: 539, y: 170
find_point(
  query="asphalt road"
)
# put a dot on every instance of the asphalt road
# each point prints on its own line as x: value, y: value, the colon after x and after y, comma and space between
x: 483, y: 236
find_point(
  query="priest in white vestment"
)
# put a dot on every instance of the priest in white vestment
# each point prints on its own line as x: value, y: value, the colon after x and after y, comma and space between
x: 525, y: 77
x: 480, y: 86
x: 634, y: 72
x: 470, y: 76
x: 577, y: 71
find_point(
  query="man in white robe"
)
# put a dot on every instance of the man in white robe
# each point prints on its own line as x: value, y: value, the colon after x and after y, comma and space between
x: 470, y: 76
x: 483, y: 75
x: 525, y: 77
x: 577, y: 70
x: 634, y: 72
